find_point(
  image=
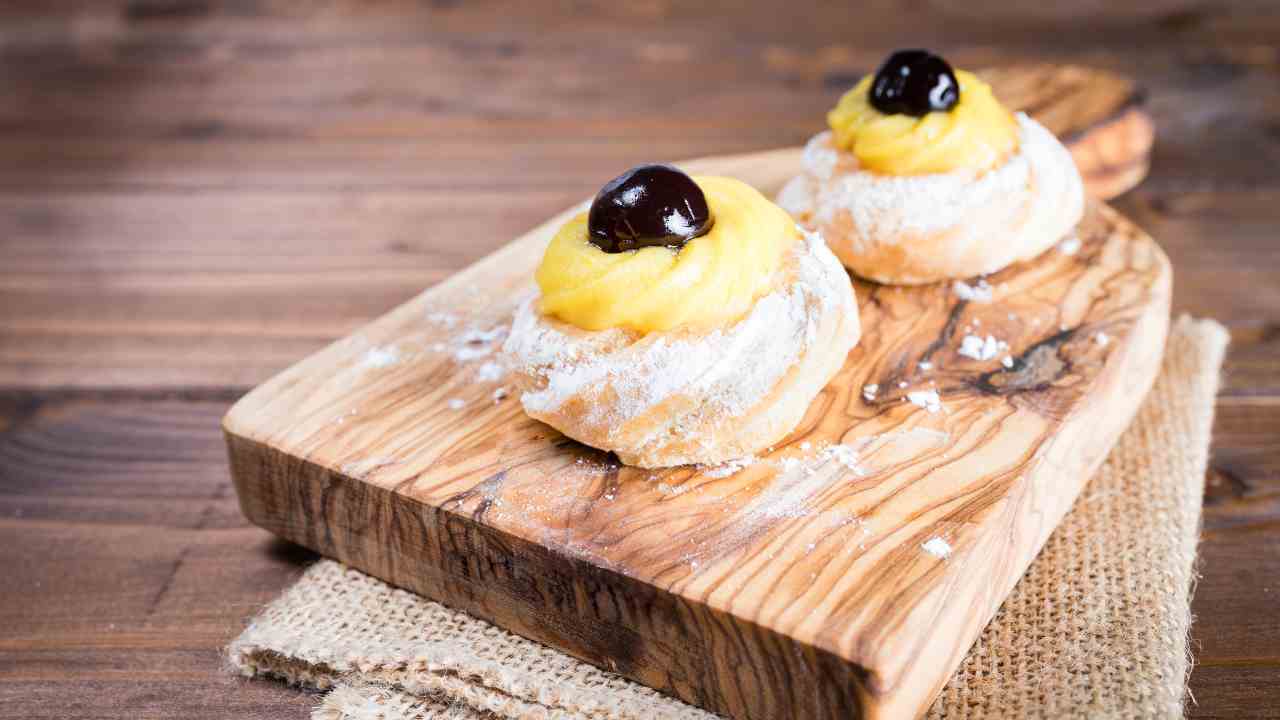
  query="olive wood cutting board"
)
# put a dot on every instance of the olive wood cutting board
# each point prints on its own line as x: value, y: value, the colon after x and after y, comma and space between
x: 844, y: 573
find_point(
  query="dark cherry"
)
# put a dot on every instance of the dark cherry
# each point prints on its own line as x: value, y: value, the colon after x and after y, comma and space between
x: 648, y: 205
x: 916, y: 83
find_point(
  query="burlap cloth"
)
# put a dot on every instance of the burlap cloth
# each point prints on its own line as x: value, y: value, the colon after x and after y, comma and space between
x: 1097, y: 628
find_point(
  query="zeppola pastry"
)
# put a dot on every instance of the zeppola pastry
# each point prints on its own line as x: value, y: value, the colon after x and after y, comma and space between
x: 924, y: 176
x: 682, y: 320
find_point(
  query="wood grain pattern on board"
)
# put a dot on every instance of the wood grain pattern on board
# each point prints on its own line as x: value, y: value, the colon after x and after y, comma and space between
x: 843, y: 574
x: 1099, y: 115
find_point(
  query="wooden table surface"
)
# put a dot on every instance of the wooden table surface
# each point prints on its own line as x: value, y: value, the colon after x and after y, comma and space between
x: 193, y: 195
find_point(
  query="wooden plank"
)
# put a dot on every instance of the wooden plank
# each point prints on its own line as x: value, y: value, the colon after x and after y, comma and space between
x: 244, y: 107
x: 1226, y: 692
x: 108, y: 290
x: 128, y: 564
x: 1217, y: 242
x: 1234, y: 640
x: 506, y: 102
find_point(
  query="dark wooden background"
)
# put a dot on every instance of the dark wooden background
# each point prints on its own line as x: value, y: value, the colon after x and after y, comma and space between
x: 194, y: 194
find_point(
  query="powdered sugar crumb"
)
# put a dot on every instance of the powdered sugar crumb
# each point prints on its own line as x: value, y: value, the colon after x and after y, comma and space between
x: 731, y: 467
x: 443, y: 319
x: 846, y: 455
x: 476, y: 343
x: 979, y: 348
x: 1070, y: 245
x: 937, y: 547
x: 490, y: 371
x: 380, y: 357
x: 869, y: 391
x: 1102, y: 339
x: 927, y: 399
x: 457, y: 404
x: 980, y: 292
x: 673, y: 490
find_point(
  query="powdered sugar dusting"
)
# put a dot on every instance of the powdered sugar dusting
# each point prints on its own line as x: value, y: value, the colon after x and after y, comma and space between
x: 723, y: 363
x: 890, y: 206
x: 728, y: 369
x: 790, y: 495
x: 808, y: 487
x: 731, y: 467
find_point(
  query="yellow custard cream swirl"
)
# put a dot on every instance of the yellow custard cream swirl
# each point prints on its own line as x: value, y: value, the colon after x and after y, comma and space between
x: 977, y: 134
x: 713, y: 279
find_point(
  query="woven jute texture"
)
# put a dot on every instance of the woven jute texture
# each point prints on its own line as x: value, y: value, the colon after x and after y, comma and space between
x: 1096, y: 629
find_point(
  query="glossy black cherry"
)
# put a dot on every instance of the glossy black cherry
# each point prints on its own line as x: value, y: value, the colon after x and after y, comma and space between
x: 916, y: 83
x: 648, y: 205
